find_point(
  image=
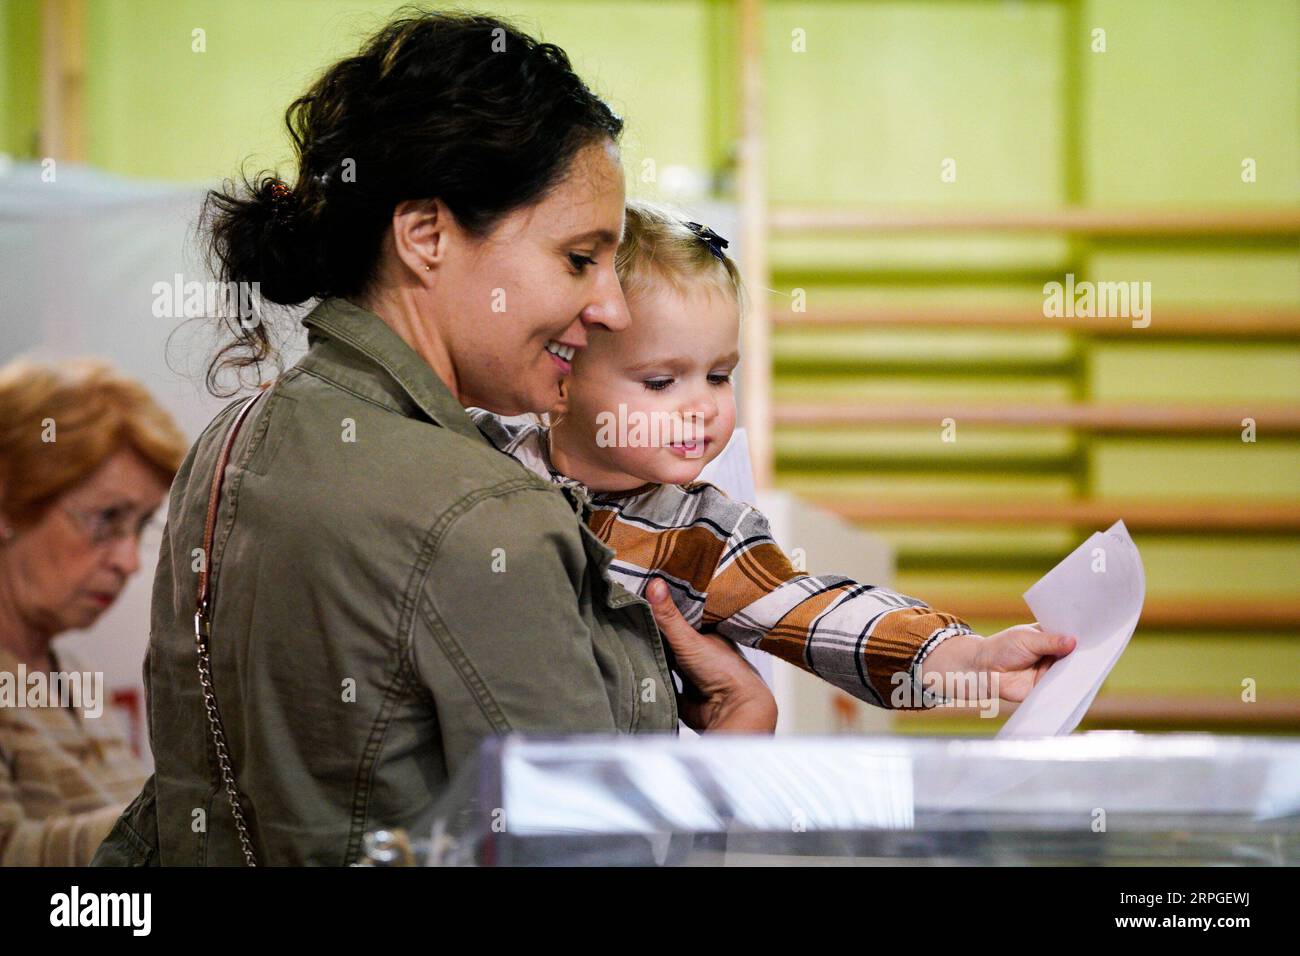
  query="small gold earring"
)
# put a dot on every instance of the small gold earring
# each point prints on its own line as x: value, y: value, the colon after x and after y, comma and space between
x: 427, y: 267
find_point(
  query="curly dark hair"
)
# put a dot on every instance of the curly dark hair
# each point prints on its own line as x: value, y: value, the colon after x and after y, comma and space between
x: 464, y: 108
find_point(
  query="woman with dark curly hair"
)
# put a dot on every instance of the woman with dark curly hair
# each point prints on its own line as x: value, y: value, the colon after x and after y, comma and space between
x: 376, y: 587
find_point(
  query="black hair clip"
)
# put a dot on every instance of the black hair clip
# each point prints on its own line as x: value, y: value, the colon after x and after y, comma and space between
x: 716, y: 242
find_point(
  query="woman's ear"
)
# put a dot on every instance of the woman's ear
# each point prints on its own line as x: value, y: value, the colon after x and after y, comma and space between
x: 422, y: 233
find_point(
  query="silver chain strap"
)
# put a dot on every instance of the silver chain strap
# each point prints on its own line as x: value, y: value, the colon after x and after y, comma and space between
x: 201, y: 632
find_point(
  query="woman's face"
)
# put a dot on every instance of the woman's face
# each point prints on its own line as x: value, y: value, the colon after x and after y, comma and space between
x: 64, y: 571
x: 534, y: 287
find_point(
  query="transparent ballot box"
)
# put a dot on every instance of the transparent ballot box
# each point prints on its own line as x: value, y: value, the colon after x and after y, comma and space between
x: 1108, y: 798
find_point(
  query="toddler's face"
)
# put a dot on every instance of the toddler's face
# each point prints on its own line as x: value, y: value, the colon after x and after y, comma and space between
x: 655, y: 400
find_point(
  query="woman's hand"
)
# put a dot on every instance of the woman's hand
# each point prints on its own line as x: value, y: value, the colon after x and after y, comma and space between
x: 1012, y: 661
x: 721, y: 690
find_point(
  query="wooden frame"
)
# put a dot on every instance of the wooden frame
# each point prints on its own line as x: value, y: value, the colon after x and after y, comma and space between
x: 1227, y: 322
x: 1191, y: 614
x: 1078, y: 221
x: 1090, y: 417
x: 758, y: 223
x: 1179, y: 516
x: 1164, y: 712
x: 756, y: 372
x: 63, y: 80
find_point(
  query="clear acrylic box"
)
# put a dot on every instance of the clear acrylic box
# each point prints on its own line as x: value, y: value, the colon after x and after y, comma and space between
x: 1102, y: 798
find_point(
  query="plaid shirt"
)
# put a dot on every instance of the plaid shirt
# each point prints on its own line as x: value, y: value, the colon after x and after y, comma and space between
x: 64, y: 778
x: 727, y: 575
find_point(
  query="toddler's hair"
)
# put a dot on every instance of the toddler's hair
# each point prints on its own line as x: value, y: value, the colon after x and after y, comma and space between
x: 658, y: 245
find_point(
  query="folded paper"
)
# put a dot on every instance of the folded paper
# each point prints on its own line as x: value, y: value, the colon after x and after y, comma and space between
x: 1096, y: 596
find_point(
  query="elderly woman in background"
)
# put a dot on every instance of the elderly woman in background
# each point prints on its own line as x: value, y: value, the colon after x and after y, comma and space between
x: 86, y: 456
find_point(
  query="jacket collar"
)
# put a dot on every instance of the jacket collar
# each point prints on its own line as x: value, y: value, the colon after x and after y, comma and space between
x: 368, y: 334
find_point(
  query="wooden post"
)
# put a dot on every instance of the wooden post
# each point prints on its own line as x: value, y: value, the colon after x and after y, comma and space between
x: 63, y: 80
x: 756, y: 344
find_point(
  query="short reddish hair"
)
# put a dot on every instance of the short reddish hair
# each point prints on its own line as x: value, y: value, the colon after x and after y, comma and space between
x: 95, y: 412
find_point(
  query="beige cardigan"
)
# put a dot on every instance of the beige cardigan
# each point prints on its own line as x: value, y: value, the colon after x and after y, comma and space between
x: 64, y: 778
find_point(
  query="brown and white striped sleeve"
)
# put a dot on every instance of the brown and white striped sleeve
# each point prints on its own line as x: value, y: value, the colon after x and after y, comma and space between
x: 866, y: 640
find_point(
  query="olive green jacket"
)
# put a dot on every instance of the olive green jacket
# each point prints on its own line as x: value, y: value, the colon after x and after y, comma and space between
x: 389, y: 589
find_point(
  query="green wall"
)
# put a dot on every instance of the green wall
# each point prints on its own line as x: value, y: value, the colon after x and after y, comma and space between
x: 158, y: 109
x: 19, y: 77
x: 1012, y: 91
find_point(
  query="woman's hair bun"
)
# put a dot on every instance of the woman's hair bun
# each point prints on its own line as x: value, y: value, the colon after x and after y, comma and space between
x: 262, y: 239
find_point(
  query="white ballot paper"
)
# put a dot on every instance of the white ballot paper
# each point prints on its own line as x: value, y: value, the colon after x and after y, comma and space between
x: 1095, y: 594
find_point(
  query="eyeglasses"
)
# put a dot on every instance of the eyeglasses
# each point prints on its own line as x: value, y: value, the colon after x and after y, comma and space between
x: 106, y: 525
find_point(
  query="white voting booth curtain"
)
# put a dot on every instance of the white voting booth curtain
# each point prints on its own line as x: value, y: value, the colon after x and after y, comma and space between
x: 80, y: 254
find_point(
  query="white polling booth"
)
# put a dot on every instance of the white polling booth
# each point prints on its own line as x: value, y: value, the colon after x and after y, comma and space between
x: 80, y: 253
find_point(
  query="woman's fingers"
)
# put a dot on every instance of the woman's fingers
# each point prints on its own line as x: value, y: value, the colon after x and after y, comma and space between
x: 667, y: 616
x: 681, y: 637
x: 727, y: 691
x: 683, y: 640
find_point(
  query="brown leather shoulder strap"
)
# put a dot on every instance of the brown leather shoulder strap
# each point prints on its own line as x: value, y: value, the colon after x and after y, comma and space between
x: 214, y: 498
x: 202, y: 632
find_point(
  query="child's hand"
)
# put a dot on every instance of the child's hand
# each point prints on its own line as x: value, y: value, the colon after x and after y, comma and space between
x: 1020, y: 656
x: 1015, y: 658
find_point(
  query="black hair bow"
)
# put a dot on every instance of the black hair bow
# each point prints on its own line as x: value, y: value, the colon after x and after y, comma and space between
x: 715, y: 242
